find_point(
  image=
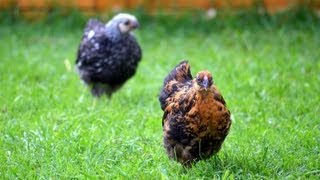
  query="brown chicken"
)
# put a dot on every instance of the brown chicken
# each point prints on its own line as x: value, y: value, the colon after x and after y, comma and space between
x: 195, y: 120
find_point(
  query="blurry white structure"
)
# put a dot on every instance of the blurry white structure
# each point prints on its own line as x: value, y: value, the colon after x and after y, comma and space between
x: 211, y: 13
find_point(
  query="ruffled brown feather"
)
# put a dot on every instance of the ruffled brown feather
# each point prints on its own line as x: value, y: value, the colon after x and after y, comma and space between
x: 195, y: 121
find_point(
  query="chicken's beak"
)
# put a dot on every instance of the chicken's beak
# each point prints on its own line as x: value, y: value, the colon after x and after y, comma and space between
x: 135, y: 25
x: 205, y: 83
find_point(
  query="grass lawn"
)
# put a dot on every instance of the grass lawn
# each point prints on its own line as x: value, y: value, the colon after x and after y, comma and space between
x: 268, y: 70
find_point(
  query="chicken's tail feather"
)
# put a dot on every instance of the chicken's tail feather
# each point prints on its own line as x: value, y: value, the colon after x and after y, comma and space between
x: 180, y: 73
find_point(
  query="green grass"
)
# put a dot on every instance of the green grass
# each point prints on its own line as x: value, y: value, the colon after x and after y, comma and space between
x: 268, y: 70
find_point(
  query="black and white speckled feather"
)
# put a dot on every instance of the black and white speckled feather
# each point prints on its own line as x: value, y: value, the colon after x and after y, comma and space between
x: 108, y: 54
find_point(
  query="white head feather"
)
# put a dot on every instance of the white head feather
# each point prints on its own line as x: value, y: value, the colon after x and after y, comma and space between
x: 125, y: 16
x: 120, y: 21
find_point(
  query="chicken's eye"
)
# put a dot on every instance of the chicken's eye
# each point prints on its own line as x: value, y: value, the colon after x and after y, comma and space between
x: 127, y: 23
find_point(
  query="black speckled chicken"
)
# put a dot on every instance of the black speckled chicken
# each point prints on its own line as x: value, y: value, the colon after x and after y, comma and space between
x: 108, y: 54
x: 196, y: 120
